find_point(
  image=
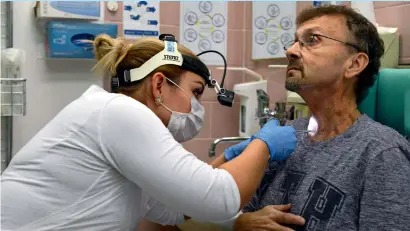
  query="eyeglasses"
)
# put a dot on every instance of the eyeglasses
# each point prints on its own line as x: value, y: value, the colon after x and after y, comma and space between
x: 312, y: 39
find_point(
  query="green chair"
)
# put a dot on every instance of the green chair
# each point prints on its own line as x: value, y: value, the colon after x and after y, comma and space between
x: 388, y: 100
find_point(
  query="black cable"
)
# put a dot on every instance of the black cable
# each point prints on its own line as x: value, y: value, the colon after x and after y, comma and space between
x: 225, y: 64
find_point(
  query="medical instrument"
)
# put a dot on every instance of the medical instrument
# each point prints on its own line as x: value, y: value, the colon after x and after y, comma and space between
x: 263, y: 114
x: 171, y: 56
x: 248, y: 114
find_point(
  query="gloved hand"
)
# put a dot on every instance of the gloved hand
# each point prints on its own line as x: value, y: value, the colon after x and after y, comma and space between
x: 235, y: 150
x: 281, y: 140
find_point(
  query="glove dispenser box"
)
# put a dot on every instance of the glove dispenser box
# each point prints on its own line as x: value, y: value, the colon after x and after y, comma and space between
x: 73, y: 39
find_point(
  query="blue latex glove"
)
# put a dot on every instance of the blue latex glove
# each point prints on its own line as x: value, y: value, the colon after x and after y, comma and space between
x: 235, y: 150
x: 281, y: 140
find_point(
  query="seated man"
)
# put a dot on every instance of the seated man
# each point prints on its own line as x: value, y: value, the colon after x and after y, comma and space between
x: 353, y: 173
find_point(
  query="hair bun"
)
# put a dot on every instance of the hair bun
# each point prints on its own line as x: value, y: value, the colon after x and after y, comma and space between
x: 103, y: 44
x: 110, y: 51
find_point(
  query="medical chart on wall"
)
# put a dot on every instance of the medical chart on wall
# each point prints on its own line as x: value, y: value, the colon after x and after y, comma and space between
x: 204, y: 27
x: 273, y: 27
x: 141, y: 19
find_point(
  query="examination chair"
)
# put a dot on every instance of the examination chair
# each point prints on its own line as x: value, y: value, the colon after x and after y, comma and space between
x: 388, y: 100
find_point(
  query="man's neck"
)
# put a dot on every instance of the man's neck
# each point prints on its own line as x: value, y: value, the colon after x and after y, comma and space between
x: 334, y: 110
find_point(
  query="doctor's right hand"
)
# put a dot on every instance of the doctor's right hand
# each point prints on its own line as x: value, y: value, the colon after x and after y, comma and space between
x: 281, y: 140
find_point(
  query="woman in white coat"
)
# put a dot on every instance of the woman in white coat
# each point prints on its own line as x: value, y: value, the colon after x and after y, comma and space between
x: 108, y: 160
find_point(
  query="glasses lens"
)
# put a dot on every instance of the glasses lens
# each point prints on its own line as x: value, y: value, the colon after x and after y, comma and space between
x: 288, y: 45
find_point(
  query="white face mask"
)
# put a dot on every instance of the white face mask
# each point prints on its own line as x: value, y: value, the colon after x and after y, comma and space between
x: 185, y: 126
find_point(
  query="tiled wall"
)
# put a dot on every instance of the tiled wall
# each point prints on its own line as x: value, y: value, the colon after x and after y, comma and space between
x: 223, y: 121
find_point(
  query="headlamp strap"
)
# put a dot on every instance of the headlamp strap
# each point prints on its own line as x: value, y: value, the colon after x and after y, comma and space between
x: 169, y: 56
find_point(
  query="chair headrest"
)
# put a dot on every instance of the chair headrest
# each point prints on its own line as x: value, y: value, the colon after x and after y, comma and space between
x: 392, y: 100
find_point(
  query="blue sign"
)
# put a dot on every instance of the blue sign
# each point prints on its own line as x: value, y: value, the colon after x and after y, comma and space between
x: 151, y: 9
x: 141, y: 32
x: 152, y: 22
x: 127, y: 8
x: 142, y: 3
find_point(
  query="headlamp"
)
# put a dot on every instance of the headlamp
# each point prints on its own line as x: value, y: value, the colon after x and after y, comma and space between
x: 171, y: 56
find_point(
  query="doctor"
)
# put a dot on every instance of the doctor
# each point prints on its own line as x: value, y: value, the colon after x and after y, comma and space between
x: 108, y: 160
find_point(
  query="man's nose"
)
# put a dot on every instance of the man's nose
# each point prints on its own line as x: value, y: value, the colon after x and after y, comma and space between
x: 293, y: 52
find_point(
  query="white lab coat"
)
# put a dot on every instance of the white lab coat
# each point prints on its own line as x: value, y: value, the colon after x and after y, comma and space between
x: 105, y: 162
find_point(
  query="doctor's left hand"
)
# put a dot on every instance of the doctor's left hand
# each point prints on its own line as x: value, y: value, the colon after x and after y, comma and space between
x: 281, y: 141
x: 270, y: 218
x: 235, y: 150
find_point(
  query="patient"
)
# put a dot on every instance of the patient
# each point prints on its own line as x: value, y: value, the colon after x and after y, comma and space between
x: 354, y: 173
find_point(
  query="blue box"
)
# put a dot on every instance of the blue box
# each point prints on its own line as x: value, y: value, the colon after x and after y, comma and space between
x: 68, y: 39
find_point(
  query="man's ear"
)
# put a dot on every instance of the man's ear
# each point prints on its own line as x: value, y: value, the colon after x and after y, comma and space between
x: 157, y: 82
x: 356, y: 64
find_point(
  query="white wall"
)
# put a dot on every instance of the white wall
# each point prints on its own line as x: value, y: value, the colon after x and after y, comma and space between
x: 51, y: 84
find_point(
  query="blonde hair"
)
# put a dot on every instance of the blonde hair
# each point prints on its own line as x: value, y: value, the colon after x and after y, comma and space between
x: 115, y: 54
